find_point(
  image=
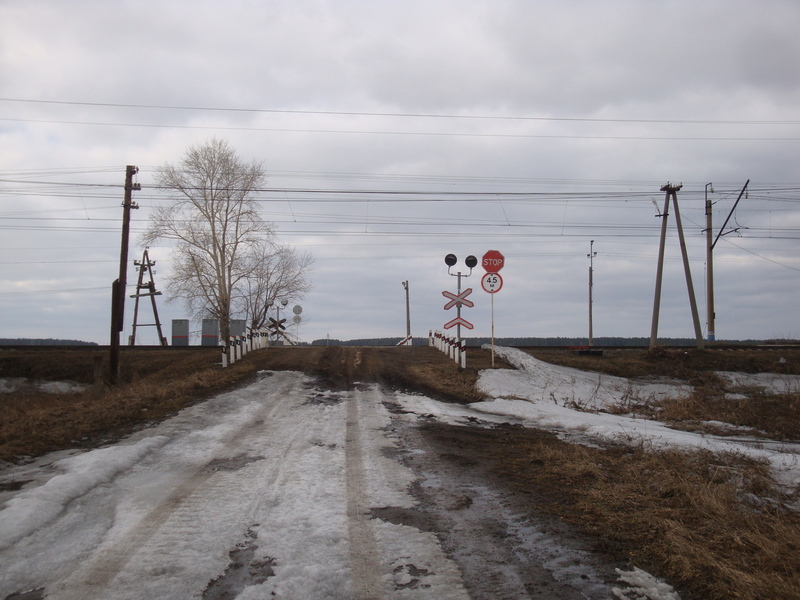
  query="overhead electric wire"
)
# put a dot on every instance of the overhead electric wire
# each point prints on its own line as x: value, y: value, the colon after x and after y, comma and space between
x: 409, y: 133
x: 402, y: 115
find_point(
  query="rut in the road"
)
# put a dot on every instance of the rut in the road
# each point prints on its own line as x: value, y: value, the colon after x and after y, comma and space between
x: 363, y: 547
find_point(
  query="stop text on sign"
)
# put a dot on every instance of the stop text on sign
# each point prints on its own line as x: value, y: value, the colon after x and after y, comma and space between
x: 493, y: 261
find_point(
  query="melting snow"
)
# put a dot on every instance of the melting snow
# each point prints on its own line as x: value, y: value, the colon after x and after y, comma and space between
x: 567, y: 401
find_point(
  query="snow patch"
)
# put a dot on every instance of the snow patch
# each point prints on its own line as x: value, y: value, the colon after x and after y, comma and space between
x: 643, y: 586
x: 767, y: 383
x: 11, y: 385
x: 32, y: 509
x: 539, y: 381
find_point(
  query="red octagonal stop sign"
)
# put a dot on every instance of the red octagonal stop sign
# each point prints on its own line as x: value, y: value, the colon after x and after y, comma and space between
x: 493, y: 261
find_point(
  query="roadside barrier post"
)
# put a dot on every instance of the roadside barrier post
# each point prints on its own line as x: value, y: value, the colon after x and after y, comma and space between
x: 224, y: 356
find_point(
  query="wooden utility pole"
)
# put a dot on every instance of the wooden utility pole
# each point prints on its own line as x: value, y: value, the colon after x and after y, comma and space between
x: 671, y: 192
x: 709, y: 267
x: 119, y: 285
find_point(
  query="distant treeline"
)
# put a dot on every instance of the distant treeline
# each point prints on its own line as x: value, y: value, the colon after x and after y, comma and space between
x: 545, y: 341
x: 47, y: 342
x: 517, y: 341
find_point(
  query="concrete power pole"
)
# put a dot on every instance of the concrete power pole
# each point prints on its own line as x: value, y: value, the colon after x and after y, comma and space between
x: 671, y: 192
x: 408, y: 311
x: 591, y: 256
x: 710, y: 256
x: 119, y: 285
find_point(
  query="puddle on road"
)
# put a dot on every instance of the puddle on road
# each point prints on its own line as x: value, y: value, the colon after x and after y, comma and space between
x: 233, y: 463
x: 325, y: 398
x: 243, y: 571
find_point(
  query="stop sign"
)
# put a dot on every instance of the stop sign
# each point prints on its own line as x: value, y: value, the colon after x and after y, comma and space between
x: 493, y: 261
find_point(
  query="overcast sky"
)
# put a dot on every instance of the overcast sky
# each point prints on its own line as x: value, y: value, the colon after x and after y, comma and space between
x: 396, y: 132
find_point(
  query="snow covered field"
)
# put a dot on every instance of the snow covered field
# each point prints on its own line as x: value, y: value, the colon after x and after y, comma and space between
x: 276, y: 491
x: 545, y: 396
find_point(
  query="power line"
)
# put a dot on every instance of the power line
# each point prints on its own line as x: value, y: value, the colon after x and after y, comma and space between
x: 412, y: 133
x: 83, y: 289
x: 403, y: 115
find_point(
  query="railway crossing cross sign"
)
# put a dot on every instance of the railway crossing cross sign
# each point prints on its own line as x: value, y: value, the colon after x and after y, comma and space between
x: 456, y: 299
x: 276, y: 325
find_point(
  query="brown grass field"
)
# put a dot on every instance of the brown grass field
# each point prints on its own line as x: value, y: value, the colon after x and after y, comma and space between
x: 716, y: 527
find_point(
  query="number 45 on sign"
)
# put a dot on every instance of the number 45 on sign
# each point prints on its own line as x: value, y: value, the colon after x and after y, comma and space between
x: 492, y: 282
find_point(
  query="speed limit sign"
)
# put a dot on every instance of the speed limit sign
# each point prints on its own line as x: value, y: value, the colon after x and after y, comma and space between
x: 492, y: 282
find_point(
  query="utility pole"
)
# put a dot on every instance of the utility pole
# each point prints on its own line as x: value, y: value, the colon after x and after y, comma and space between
x: 408, y: 311
x: 710, y: 255
x: 671, y: 192
x: 591, y: 256
x: 709, y: 267
x: 119, y: 285
x: 146, y: 266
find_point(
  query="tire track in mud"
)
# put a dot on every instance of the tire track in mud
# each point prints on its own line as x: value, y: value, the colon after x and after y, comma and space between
x: 363, y: 545
x: 170, y: 526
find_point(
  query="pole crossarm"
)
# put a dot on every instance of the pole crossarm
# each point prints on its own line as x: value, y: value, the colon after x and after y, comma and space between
x: 730, y: 214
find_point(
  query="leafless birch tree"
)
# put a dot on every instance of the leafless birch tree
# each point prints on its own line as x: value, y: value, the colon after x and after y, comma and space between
x: 275, y: 272
x: 214, y: 220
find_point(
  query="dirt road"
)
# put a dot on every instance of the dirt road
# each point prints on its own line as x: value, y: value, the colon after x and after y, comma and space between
x: 296, y: 486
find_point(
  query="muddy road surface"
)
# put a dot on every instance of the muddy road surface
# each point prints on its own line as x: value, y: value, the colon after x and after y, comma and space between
x: 312, y: 481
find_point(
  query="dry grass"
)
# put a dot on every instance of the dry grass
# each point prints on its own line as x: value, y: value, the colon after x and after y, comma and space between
x: 775, y: 416
x: 678, y: 363
x: 714, y: 526
x: 155, y: 385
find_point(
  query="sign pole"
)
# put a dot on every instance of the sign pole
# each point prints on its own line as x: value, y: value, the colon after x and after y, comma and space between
x: 458, y: 310
x: 491, y: 282
x: 492, y: 331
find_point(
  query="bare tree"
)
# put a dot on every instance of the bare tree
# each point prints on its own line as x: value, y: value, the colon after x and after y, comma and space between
x: 274, y: 272
x: 216, y: 224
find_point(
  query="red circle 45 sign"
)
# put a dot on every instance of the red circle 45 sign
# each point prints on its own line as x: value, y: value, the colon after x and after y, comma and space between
x: 491, y: 282
x: 493, y: 261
